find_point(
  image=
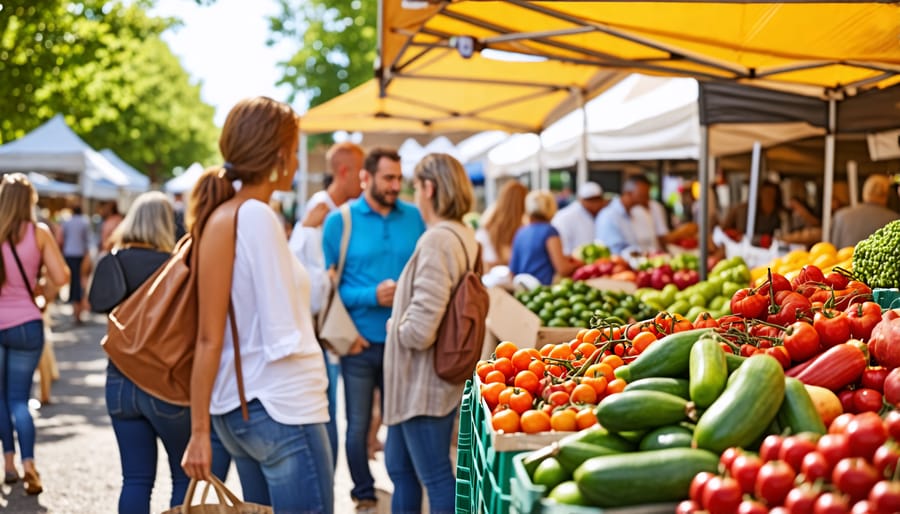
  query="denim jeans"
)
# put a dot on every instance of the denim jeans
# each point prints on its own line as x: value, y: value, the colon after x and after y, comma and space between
x: 334, y: 373
x: 138, y: 419
x: 417, y: 453
x: 362, y: 373
x: 20, y: 351
x: 285, y: 466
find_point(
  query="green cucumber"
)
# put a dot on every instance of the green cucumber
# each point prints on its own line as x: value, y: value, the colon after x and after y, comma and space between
x: 574, y: 453
x: 798, y: 412
x: 745, y: 409
x: 673, y: 436
x: 599, y: 436
x: 734, y: 361
x: 667, y: 357
x: 677, y: 386
x: 640, y: 410
x: 568, y: 493
x: 655, y: 476
x: 709, y: 371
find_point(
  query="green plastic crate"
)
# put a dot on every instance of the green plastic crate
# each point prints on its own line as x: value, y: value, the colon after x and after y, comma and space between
x: 887, y: 298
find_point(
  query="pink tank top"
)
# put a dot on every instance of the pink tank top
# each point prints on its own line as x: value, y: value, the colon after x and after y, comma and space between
x: 16, y: 305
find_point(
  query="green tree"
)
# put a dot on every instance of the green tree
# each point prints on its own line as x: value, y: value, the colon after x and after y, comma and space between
x: 337, y: 46
x: 105, y: 68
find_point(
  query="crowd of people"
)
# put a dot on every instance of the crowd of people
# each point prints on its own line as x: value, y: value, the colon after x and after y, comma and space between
x: 259, y: 293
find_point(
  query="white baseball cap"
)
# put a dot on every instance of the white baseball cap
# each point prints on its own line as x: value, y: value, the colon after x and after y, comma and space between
x: 589, y: 190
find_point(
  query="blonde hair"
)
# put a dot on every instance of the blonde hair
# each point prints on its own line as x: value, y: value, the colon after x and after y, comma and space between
x: 540, y: 205
x: 17, y: 200
x: 876, y: 189
x: 505, y: 217
x: 453, y: 194
x: 150, y: 221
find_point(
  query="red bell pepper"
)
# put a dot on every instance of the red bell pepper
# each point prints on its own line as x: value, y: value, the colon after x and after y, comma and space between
x: 838, y: 367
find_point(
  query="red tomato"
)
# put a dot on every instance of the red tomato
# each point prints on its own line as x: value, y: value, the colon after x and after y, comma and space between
x: 892, y: 424
x: 770, y: 447
x: 836, y: 280
x: 808, y: 273
x: 839, y: 425
x: 794, y: 448
x: 801, y: 499
x: 698, y: 483
x: 815, y: 467
x: 705, y: 320
x: 801, y: 341
x: 722, y: 495
x: 749, y: 303
x: 846, y: 398
x: 834, y: 448
x: 867, y: 400
x: 833, y: 327
x: 885, y: 496
x: 789, y: 307
x: 775, y: 480
x: 781, y: 355
x: 866, y: 433
x: 748, y: 350
x: 885, y: 459
x: 744, y: 469
x: 776, y: 284
x: 863, y: 317
x: 687, y: 507
x: 728, y: 457
x: 832, y: 503
x: 854, y: 477
x: 752, y: 507
x: 892, y: 387
x: 862, y: 507
x: 873, y: 378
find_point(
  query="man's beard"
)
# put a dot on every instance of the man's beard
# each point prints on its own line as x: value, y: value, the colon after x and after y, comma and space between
x: 384, y: 199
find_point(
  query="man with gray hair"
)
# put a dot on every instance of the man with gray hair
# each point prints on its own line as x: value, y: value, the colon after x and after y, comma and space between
x: 853, y: 224
x: 616, y: 225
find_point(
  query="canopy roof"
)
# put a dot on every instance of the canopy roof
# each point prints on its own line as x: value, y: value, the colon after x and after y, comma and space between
x: 137, y: 181
x: 807, y: 47
x: 183, y: 183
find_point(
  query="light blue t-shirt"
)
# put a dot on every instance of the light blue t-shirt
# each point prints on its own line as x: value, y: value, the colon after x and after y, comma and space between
x: 76, y: 234
x: 378, y: 250
x: 613, y: 227
x: 529, y: 251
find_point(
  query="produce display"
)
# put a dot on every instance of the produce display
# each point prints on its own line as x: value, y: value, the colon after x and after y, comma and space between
x: 876, y: 260
x: 614, y: 267
x: 822, y: 255
x: 574, y: 304
x: 590, y: 252
x: 712, y: 295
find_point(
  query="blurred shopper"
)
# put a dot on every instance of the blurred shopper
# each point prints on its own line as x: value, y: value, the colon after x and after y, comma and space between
x: 26, y: 247
x: 853, y: 224
x: 537, y: 249
x: 621, y: 224
x: 281, y: 451
x: 383, y: 235
x: 500, y: 223
x: 575, y: 222
x: 768, y: 214
x: 344, y: 161
x: 76, y: 250
x: 141, y: 243
x: 109, y: 211
x: 420, y: 407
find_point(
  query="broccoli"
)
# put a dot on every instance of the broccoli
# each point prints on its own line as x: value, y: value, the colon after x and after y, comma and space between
x: 876, y: 260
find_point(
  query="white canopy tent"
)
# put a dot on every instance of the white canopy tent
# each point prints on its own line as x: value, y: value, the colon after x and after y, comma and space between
x: 137, y: 181
x: 183, y: 183
x: 46, y: 186
x: 55, y: 148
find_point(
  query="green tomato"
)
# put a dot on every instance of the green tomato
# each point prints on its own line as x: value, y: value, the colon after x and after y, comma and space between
x: 709, y: 290
x: 694, y: 312
x: 718, y: 302
x: 679, y: 307
x: 729, y: 288
x: 697, y: 300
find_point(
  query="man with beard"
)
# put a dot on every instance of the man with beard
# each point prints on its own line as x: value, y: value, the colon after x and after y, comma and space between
x: 383, y: 235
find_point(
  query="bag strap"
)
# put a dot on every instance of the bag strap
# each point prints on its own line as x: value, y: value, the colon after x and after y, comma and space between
x: 345, y: 240
x: 239, y: 375
x: 477, y: 266
x: 12, y: 246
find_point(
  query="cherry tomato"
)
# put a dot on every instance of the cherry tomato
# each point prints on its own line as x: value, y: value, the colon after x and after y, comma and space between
x: 687, y: 507
x: 722, y: 495
x: 770, y: 447
x: 752, y: 507
x: 748, y: 350
x: 885, y: 459
x: 866, y: 433
x: 800, y: 499
x: 808, y: 273
x: 834, y: 448
x: 836, y: 280
x: 831, y: 503
x: 698, y: 483
x: 642, y: 341
x: 873, y: 378
x: 892, y: 424
x: 744, y: 469
x: 727, y: 458
x: 528, y: 381
x: 506, y: 421
x: 885, y: 496
x: 854, y: 477
x: 815, y: 467
x: 491, y: 394
x: 775, y: 480
x: 839, y: 425
x: 781, y: 355
x: 892, y: 387
x: 520, y: 400
x: 862, y: 507
x: 867, y: 400
x: 847, y: 403
x: 795, y: 448
x: 583, y: 393
x: 535, y: 421
x: 789, y: 307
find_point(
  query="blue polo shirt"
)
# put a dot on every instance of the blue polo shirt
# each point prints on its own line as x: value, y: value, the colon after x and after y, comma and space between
x: 378, y: 250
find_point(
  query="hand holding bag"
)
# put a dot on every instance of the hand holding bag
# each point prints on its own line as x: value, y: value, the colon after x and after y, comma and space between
x: 336, y: 327
x: 229, y: 503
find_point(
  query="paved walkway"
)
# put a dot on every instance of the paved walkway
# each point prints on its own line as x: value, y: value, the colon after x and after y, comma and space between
x: 76, y: 449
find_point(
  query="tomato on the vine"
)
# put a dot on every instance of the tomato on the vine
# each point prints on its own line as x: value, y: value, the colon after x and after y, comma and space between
x: 749, y: 303
x: 833, y: 327
x: 801, y: 341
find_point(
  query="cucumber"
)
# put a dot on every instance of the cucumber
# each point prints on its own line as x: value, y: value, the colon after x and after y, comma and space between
x: 677, y: 386
x: 599, y: 436
x: 734, y: 361
x: 568, y: 493
x: 573, y: 454
x: 673, y: 436
x: 709, y: 371
x: 798, y: 412
x: 667, y: 357
x: 655, y: 476
x: 745, y: 409
x: 640, y: 410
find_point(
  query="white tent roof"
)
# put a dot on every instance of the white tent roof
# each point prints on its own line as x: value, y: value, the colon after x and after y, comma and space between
x: 411, y: 152
x: 185, y: 182
x: 640, y: 118
x: 46, y: 186
x: 476, y: 148
x: 137, y: 181
x: 54, y: 147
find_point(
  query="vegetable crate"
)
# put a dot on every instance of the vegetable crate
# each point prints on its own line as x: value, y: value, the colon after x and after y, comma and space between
x: 887, y: 298
x: 485, y: 470
x: 528, y: 498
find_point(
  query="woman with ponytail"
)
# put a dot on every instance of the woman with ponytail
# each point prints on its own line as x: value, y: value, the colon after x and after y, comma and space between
x: 281, y: 452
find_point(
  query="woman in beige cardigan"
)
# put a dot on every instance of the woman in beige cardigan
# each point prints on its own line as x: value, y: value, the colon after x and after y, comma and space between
x: 420, y: 407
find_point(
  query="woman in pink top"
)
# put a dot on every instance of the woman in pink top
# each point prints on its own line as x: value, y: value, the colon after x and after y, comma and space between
x: 26, y: 246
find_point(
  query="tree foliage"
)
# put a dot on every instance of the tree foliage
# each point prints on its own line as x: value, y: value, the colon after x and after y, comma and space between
x: 105, y: 68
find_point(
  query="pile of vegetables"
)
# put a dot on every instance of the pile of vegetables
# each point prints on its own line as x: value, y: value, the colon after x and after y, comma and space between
x: 876, y: 260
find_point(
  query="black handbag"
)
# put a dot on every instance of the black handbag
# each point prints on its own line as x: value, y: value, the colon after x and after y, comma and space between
x: 108, y: 287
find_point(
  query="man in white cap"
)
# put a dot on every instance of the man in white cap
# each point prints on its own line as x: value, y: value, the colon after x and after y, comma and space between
x: 575, y: 222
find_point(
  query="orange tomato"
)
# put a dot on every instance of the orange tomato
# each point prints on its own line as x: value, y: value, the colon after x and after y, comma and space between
x: 528, y: 381
x: 585, y: 418
x: 491, y: 393
x: 598, y: 383
x: 505, y: 421
x: 639, y: 343
x: 564, y: 421
x: 556, y: 370
x: 506, y: 349
x: 592, y: 335
x: 561, y: 351
x: 546, y: 349
x: 583, y: 393
x: 537, y: 367
x: 586, y: 349
x: 613, y: 361
x: 601, y: 370
x: 616, y: 386
x: 558, y: 398
x: 505, y: 366
x: 520, y: 400
x: 495, y: 376
x: 534, y: 421
x: 522, y: 358
x: 580, y: 336
x: 483, y: 369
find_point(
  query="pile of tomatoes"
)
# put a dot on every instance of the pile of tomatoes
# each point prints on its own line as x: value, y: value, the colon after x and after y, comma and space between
x: 850, y: 470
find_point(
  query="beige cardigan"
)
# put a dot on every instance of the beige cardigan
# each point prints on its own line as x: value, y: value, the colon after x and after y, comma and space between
x: 411, y: 387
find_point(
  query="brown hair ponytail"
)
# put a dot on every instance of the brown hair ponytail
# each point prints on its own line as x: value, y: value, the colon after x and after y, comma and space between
x: 212, y: 190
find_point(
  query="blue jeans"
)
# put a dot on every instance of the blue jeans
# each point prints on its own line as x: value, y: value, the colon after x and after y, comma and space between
x: 334, y: 373
x: 362, y: 374
x: 138, y: 419
x: 417, y: 453
x: 285, y: 466
x: 20, y: 351
x: 74, y: 264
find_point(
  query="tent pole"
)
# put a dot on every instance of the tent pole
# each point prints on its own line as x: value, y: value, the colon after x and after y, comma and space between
x: 829, y: 170
x: 703, y: 170
x: 853, y: 182
x: 536, y: 171
x: 754, y: 192
x: 303, y: 182
x: 581, y: 175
